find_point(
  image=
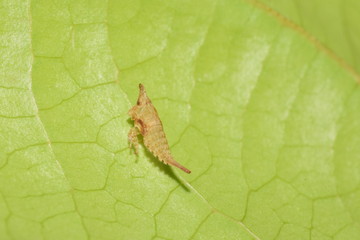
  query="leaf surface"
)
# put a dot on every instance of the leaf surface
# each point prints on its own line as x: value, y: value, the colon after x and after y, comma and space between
x: 333, y: 23
x: 267, y: 121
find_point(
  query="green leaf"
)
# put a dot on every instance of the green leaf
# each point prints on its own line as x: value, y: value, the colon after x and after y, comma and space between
x: 333, y: 23
x: 266, y: 119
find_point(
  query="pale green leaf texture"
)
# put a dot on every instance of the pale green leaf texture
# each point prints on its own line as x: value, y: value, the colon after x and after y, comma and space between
x: 267, y: 121
x: 334, y: 23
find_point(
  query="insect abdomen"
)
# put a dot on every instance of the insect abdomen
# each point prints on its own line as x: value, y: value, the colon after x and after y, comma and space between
x: 156, y: 142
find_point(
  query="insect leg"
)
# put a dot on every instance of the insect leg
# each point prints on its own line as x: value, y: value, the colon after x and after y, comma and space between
x: 133, y: 139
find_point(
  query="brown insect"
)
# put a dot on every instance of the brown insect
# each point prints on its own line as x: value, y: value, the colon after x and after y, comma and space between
x: 148, y: 124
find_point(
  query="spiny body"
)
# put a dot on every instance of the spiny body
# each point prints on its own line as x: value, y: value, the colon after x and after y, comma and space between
x: 148, y: 124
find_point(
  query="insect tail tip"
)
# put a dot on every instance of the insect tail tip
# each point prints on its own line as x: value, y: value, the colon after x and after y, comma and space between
x: 185, y: 169
x: 178, y: 165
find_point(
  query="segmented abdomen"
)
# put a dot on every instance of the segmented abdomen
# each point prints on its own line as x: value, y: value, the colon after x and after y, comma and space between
x: 155, y: 141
